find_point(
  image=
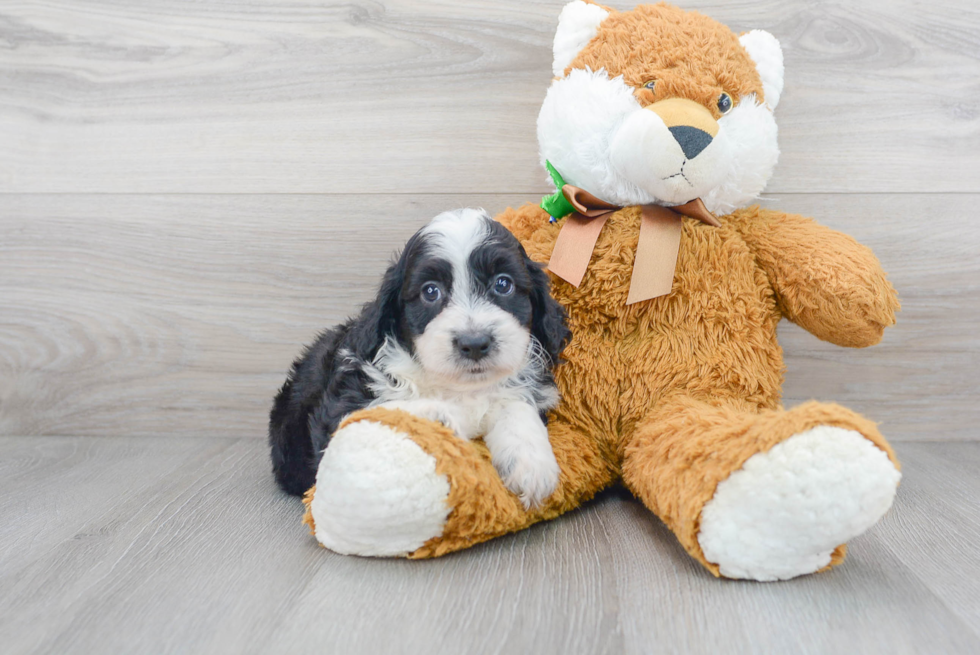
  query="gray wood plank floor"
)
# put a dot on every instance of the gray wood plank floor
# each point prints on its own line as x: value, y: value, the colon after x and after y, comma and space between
x: 154, y: 545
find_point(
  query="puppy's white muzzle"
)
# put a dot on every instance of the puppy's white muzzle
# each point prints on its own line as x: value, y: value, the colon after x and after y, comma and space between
x: 441, y: 351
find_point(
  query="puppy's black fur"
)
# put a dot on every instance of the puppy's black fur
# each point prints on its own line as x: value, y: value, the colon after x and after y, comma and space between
x: 324, y: 385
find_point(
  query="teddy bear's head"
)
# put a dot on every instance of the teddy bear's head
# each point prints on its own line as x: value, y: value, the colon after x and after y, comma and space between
x: 661, y: 105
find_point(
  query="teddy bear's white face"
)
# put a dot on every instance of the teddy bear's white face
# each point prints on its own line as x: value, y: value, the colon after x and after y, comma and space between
x: 596, y: 132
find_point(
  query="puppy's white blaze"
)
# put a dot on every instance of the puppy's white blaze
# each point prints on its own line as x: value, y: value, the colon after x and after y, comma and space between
x: 593, y: 130
x: 453, y: 236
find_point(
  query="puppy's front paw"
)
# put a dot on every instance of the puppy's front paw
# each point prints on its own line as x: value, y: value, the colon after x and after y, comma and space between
x: 523, y: 457
x: 533, y: 479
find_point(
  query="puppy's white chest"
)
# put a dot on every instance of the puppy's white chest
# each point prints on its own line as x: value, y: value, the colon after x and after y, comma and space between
x: 473, y: 412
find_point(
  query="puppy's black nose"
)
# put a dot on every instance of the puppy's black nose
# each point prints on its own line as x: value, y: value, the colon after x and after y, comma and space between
x: 473, y: 345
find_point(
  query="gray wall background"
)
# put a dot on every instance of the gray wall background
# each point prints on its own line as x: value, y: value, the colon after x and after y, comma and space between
x: 188, y: 191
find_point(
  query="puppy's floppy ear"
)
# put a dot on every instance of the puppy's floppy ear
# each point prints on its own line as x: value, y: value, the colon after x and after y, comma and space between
x: 379, y: 318
x: 549, y: 321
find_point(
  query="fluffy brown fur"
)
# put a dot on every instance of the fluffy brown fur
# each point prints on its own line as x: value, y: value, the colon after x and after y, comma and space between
x: 681, y: 390
x: 719, y: 65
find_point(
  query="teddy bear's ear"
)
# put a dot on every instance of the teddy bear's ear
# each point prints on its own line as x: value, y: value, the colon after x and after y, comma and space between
x: 768, y: 57
x: 577, y: 24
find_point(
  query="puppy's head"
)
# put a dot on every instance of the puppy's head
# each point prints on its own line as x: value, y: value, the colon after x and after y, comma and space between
x: 468, y: 303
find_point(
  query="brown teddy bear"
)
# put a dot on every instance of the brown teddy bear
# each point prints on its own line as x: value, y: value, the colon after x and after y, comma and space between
x: 658, y: 132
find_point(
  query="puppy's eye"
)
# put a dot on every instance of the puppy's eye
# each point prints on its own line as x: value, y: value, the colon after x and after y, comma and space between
x: 649, y: 85
x: 725, y: 103
x: 503, y: 285
x: 431, y: 292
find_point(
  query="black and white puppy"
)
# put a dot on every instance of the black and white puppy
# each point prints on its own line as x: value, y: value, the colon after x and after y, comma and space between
x: 464, y: 331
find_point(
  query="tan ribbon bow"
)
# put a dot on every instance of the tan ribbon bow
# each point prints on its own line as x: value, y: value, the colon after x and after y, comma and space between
x: 656, y: 251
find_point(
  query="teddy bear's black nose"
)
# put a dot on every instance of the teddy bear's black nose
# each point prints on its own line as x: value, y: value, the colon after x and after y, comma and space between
x: 473, y: 345
x: 691, y: 139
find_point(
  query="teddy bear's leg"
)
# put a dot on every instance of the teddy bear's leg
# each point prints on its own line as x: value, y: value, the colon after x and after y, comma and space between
x: 392, y: 484
x: 764, y: 495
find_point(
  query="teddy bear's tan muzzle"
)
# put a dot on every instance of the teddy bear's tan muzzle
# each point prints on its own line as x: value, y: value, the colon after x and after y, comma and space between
x: 691, y: 124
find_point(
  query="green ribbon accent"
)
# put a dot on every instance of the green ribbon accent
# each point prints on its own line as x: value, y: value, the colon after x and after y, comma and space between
x: 556, y: 204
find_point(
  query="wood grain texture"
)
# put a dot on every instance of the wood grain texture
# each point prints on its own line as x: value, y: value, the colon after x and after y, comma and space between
x: 935, y: 524
x: 278, y: 96
x: 179, y: 315
x: 183, y: 545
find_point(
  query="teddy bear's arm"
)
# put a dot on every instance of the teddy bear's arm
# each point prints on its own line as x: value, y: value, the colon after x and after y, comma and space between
x: 825, y: 281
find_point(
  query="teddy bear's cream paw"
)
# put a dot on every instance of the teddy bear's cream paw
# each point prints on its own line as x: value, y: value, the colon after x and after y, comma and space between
x: 782, y: 514
x: 377, y: 493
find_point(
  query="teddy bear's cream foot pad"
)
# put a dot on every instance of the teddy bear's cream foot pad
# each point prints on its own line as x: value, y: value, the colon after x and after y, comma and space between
x: 378, y: 493
x: 785, y: 511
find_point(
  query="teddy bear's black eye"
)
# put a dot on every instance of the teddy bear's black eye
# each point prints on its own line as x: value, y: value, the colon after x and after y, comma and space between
x: 649, y: 85
x: 725, y: 103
